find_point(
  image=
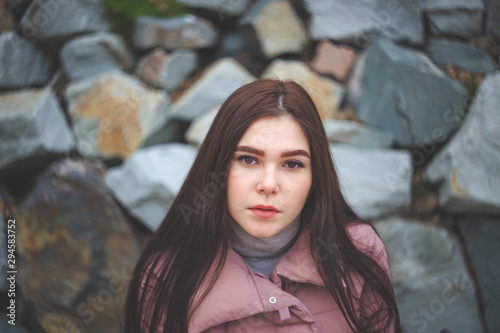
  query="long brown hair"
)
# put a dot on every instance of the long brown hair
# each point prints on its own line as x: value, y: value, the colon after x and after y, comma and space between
x: 194, y: 234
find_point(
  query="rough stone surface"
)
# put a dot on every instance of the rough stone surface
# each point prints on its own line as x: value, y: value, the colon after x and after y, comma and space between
x: 217, y: 82
x: 32, y: 124
x: 493, y: 19
x: 233, y: 7
x: 482, y: 241
x: 22, y: 63
x: 336, y: 60
x: 75, y: 250
x: 199, y: 127
x: 277, y: 27
x: 468, y: 167
x: 57, y: 21
x: 461, y: 55
x: 359, y: 21
x: 186, y: 32
x: 402, y: 91
x: 4, y: 284
x: 326, y: 93
x: 113, y: 114
x: 167, y: 71
x: 460, y: 18
x: 353, y: 133
x: 376, y: 182
x: 433, y: 289
x: 94, y: 54
x: 148, y: 181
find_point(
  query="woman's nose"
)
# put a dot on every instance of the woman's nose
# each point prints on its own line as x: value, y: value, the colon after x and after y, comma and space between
x: 268, y: 183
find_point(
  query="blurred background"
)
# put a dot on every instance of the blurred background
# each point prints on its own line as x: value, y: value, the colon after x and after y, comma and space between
x: 103, y: 104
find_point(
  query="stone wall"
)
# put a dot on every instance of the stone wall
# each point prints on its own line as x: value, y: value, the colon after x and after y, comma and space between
x: 96, y: 135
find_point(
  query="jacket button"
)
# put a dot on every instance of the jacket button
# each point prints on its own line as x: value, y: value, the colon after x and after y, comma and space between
x: 272, y: 300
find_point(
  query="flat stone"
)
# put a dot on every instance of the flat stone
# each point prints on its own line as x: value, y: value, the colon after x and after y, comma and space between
x: 400, y: 90
x: 332, y: 59
x: 32, y: 125
x: 326, y: 93
x: 114, y: 113
x: 163, y: 70
x: 468, y: 167
x: 375, y: 182
x: 55, y: 21
x: 359, y: 21
x: 461, y: 55
x: 460, y: 18
x: 148, y: 181
x: 277, y: 27
x: 94, y: 54
x: 200, y: 125
x: 482, y: 241
x: 433, y: 288
x: 22, y: 63
x: 183, y: 32
x: 75, y: 250
x: 233, y: 7
x: 217, y: 82
x: 493, y: 19
x: 353, y: 133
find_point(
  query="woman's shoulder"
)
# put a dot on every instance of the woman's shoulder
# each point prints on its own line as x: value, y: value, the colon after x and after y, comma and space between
x: 365, y: 238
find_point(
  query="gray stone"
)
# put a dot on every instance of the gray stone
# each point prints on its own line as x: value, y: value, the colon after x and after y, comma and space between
x: 375, y: 182
x: 232, y: 7
x: 32, y: 124
x: 94, y: 54
x: 468, y: 167
x: 218, y: 81
x: 482, y: 241
x: 4, y: 284
x: 461, y: 55
x: 54, y: 21
x: 353, y: 133
x: 22, y: 63
x: 183, y: 32
x: 277, y: 27
x: 493, y: 18
x: 359, y: 21
x: 231, y: 43
x: 434, y: 291
x: 460, y: 18
x: 167, y: 71
x: 113, y: 114
x: 75, y: 250
x: 149, y: 180
x: 200, y: 125
x: 401, y: 90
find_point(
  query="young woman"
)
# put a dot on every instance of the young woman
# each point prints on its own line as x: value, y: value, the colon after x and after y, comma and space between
x: 260, y: 238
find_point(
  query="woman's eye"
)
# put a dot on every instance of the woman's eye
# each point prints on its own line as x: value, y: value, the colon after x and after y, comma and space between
x: 247, y: 160
x: 293, y: 165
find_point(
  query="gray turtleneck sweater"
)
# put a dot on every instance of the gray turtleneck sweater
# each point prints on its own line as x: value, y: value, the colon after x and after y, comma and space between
x: 262, y: 254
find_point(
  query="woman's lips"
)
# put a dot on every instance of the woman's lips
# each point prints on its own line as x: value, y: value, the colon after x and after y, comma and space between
x: 264, y: 211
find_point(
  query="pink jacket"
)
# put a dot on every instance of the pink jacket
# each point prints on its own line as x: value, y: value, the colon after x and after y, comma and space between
x: 294, y: 299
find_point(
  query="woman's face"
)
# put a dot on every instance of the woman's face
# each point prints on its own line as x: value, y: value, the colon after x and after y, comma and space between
x: 270, y: 176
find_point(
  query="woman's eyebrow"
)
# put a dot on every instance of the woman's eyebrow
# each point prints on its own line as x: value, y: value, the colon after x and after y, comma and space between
x: 262, y: 153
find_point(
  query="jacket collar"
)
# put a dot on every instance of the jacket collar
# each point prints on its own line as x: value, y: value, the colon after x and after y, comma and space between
x: 235, y: 295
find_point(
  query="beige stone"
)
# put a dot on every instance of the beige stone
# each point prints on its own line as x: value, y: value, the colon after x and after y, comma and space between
x: 113, y: 114
x: 279, y: 29
x: 326, y: 93
x: 336, y: 60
